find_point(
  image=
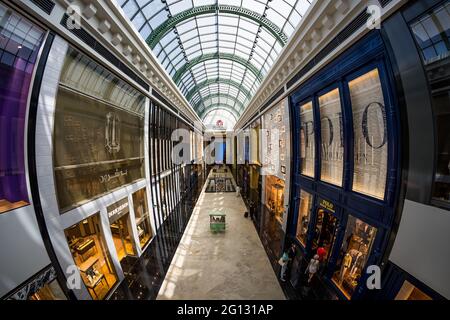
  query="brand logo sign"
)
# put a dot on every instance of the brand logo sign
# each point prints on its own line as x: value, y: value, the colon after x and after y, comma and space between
x: 327, y: 205
x: 117, y: 210
x: 112, y: 133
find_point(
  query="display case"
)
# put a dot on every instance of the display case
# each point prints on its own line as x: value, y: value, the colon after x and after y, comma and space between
x: 275, y: 197
x: 355, y: 250
x: 88, y: 248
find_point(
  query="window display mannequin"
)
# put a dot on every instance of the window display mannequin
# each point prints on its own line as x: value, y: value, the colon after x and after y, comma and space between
x: 313, y: 267
x: 346, y: 264
x: 358, y: 263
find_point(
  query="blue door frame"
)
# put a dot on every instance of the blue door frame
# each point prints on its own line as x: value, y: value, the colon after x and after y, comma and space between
x: 368, y: 54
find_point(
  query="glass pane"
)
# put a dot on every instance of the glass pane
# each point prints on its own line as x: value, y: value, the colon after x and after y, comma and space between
x: 87, y: 245
x: 332, y: 151
x: 370, y: 135
x: 19, y: 44
x: 307, y: 140
x: 432, y: 33
x: 324, y: 235
x: 410, y: 292
x: 304, y: 216
x: 142, y: 216
x: 358, y: 241
x: 50, y: 291
x: 119, y: 218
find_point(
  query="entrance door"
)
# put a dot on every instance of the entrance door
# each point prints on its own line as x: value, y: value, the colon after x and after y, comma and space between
x: 325, y: 235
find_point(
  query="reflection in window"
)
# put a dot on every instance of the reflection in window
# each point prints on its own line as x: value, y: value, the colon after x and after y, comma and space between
x: 19, y: 45
x: 358, y: 240
x: 332, y: 146
x: 88, y: 248
x: 304, y: 216
x: 307, y: 140
x: 142, y: 217
x: 432, y: 34
x: 370, y: 135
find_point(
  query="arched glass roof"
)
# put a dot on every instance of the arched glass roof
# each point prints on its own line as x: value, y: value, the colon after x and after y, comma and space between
x: 217, y: 51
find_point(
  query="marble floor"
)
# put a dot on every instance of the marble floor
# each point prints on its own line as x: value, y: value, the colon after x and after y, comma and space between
x: 230, y: 265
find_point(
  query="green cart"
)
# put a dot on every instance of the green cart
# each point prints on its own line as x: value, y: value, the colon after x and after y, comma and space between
x: 217, y: 221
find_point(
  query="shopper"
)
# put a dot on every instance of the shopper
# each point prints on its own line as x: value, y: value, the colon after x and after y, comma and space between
x: 283, y: 262
x: 312, y: 268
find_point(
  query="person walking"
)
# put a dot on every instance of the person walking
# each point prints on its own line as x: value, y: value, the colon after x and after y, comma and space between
x: 283, y: 262
x: 313, y: 267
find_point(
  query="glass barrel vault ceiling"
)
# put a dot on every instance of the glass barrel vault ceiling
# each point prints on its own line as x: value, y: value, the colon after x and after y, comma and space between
x: 217, y: 51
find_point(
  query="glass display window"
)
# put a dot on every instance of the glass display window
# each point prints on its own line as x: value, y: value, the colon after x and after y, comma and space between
x: 332, y: 144
x: 50, y: 291
x: 409, y: 292
x: 275, y: 197
x: 432, y: 34
x: 370, y: 135
x: 87, y: 245
x: 304, y: 216
x: 98, y: 134
x: 324, y: 235
x: 307, y: 140
x: 142, y: 216
x: 358, y: 240
x: 20, y: 41
x: 119, y: 219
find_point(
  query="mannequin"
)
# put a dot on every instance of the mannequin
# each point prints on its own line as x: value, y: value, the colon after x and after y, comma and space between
x: 346, y: 263
x: 357, y: 261
x: 313, y: 267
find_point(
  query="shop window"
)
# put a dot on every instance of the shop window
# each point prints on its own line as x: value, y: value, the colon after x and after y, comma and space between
x: 324, y: 235
x: 307, y: 140
x: 43, y: 286
x: 275, y: 197
x: 432, y: 34
x: 332, y: 145
x: 304, y: 216
x: 370, y: 135
x: 50, y: 291
x: 142, y: 216
x: 87, y: 245
x: 410, y: 292
x: 121, y: 230
x: 20, y: 41
x: 356, y: 248
x: 98, y: 136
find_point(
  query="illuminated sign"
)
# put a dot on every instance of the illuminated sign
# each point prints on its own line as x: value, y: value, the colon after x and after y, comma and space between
x: 327, y: 205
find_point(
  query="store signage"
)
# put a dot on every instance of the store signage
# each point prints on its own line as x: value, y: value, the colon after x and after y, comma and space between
x: 91, y: 157
x: 327, y: 205
x: 118, y: 209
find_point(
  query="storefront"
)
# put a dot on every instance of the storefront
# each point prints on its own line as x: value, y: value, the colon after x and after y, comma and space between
x: 274, y: 150
x: 346, y: 175
x: 86, y: 241
x: 42, y: 286
x: 122, y: 232
x: 142, y: 215
x: 20, y: 42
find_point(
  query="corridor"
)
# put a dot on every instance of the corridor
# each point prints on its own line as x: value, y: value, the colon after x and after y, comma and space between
x: 230, y: 265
